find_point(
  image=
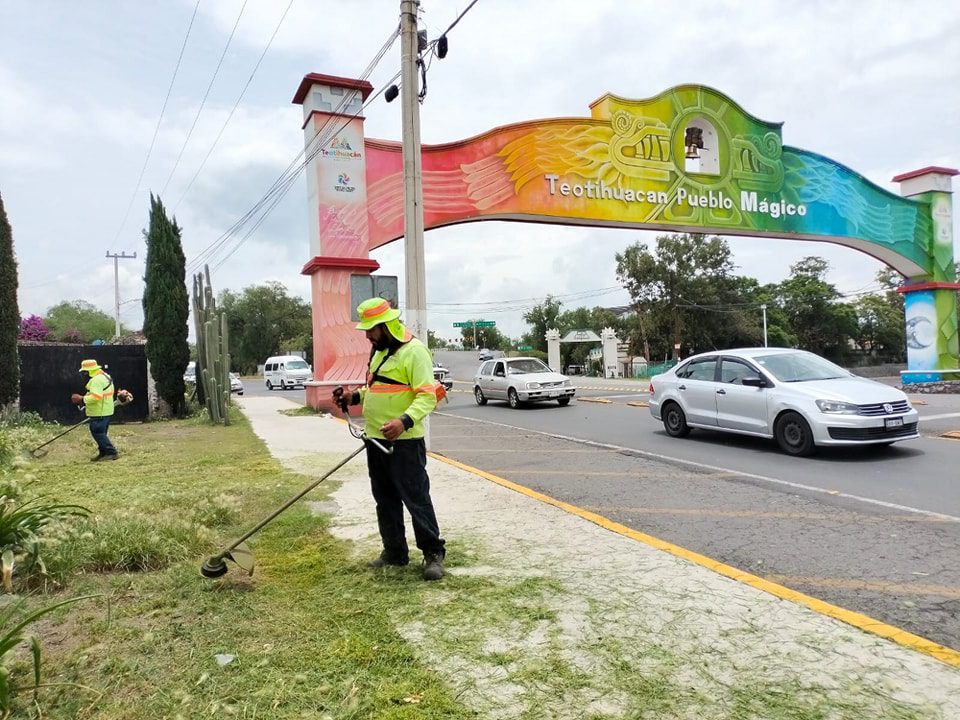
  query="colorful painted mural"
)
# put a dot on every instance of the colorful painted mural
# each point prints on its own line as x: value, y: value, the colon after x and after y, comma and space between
x: 687, y: 160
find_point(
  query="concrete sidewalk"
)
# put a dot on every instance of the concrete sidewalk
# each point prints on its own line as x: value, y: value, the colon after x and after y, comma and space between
x: 613, y: 613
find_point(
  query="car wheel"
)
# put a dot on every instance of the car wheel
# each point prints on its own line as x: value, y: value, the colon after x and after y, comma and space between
x: 269, y: 385
x: 675, y: 421
x: 564, y: 402
x: 513, y: 399
x: 793, y: 434
x: 478, y: 396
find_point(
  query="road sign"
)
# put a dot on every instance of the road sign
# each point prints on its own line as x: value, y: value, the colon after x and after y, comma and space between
x: 524, y: 347
x: 478, y: 323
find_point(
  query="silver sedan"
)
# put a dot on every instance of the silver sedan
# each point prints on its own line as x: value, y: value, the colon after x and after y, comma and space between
x: 521, y: 380
x: 799, y: 398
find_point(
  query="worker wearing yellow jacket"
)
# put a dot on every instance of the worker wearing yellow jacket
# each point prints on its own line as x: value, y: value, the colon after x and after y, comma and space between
x: 400, y: 392
x: 98, y: 403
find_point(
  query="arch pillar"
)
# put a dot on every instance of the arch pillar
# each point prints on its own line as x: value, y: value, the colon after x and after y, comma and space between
x: 930, y: 301
x: 553, y: 349
x: 611, y: 368
x: 333, y: 139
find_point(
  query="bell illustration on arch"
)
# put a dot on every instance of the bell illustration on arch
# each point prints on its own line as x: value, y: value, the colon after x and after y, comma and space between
x: 693, y: 140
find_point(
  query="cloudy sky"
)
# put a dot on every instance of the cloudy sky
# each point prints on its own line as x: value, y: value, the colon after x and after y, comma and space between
x: 84, y: 111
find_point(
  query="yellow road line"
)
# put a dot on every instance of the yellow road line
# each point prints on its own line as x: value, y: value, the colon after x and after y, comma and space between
x: 638, y: 403
x: 881, y: 519
x: 858, y: 620
x: 595, y: 400
x: 877, y: 586
x: 952, y: 434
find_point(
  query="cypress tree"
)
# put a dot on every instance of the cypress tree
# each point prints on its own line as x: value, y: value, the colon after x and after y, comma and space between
x: 9, y: 314
x: 166, y: 307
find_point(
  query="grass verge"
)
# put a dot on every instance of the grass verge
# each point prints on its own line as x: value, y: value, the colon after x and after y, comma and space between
x: 316, y: 634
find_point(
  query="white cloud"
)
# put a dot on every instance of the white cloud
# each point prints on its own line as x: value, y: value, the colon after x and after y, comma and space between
x: 872, y: 85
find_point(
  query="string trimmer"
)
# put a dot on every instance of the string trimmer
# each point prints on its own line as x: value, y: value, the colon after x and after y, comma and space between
x: 238, y: 551
x: 36, y: 451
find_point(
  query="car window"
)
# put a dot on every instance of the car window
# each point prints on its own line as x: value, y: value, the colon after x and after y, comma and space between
x: 699, y: 369
x: 498, y: 370
x: 297, y: 365
x: 530, y: 365
x: 800, y: 367
x: 486, y: 368
x: 734, y: 371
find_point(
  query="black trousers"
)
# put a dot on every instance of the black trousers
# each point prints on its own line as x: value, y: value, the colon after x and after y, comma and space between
x: 98, y: 428
x: 397, y: 481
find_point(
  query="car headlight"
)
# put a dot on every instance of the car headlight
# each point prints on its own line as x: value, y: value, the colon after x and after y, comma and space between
x: 835, y: 407
x: 533, y: 386
x: 566, y: 383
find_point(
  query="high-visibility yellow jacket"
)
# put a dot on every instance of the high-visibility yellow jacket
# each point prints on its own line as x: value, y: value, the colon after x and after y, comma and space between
x: 99, y: 398
x: 414, y: 395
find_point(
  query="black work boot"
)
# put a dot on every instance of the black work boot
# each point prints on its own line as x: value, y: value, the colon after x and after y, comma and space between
x: 433, y: 566
x: 384, y: 560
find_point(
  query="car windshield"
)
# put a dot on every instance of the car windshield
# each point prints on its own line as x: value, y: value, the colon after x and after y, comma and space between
x: 531, y: 365
x: 800, y: 367
x: 296, y: 365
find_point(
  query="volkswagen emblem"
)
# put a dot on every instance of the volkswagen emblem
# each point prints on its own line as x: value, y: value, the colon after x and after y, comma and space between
x: 887, y: 408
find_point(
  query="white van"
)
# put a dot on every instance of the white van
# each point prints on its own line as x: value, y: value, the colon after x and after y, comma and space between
x: 286, y: 371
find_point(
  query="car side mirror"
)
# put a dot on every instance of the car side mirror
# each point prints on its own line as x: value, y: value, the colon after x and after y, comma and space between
x: 757, y: 382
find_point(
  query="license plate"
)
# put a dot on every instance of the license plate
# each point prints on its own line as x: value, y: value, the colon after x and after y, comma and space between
x: 553, y: 394
x: 893, y: 423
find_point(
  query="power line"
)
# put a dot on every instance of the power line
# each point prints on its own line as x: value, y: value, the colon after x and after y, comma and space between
x: 286, y: 178
x: 205, y: 96
x: 156, y: 130
x: 234, y: 108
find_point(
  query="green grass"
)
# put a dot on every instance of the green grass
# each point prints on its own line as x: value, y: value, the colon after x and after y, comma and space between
x: 315, y: 633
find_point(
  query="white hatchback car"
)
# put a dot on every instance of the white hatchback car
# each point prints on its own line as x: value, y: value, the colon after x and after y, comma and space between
x: 520, y: 380
x: 794, y: 396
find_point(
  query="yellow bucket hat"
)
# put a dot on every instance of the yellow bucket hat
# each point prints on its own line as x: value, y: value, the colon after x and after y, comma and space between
x: 89, y: 366
x: 375, y: 311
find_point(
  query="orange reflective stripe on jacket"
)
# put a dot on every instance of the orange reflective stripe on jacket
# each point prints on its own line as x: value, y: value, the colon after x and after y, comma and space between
x: 435, y: 389
x: 386, y: 388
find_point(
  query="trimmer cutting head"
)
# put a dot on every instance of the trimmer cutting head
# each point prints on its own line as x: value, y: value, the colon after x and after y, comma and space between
x: 213, y: 567
x: 216, y: 566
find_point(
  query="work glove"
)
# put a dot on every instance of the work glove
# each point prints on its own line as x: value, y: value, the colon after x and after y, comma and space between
x: 76, y: 399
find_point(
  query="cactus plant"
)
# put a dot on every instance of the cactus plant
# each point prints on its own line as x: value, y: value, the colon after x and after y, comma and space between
x: 213, y: 356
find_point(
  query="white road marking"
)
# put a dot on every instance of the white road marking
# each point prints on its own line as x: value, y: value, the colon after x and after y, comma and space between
x: 717, y: 468
x: 941, y: 416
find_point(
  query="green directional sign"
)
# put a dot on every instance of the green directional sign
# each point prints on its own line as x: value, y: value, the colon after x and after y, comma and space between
x: 478, y: 323
x: 524, y: 347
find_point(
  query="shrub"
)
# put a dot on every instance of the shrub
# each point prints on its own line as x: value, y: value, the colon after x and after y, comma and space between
x: 22, y: 525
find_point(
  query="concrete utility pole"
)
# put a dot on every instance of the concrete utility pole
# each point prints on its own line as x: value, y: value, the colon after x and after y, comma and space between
x: 116, y: 284
x: 414, y: 261
x: 764, y: 308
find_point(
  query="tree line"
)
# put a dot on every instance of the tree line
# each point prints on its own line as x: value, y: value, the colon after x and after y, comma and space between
x: 686, y: 297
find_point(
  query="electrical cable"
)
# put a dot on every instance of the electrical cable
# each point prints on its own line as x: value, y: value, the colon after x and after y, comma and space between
x: 203, y: 102
x: 156, y: 130
x: 282, y: 184
x: 233, y: 109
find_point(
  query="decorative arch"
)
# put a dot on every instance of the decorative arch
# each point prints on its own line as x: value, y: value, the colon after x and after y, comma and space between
x: 623, y: 166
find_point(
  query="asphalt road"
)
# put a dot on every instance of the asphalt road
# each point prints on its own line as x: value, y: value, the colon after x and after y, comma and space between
x: 872, y: 530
